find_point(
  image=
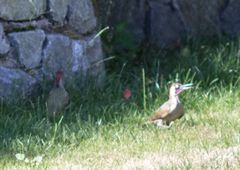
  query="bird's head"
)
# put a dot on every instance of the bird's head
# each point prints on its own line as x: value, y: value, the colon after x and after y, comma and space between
x: 177, y: 88
x: 58, y: 78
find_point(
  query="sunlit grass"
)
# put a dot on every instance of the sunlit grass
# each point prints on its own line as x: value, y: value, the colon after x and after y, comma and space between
x: 101, y: 135
x: 102, y: 130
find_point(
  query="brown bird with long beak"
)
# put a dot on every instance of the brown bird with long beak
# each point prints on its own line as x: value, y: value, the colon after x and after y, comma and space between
x: 172, y: 109
x: 58, y: 97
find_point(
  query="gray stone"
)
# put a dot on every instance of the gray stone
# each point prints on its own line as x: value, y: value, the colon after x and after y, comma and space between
x: 22, y: 9
x: 29, y: 47
x: 166, y: 26
x: 76, y: 16
x: 94, y: 53
x: 15, y: 84
x: 81, y: 17
x: 88, y: 60
x: 137, y: 19
x: 80, y: 63
x: 78, y: 59
x: 58, y: 10
x: 4, y: 44
x: 167, y: 21
x: 230, y: 20
x: 201, y: 17
x: 127, y: 18
x: 57, y: 55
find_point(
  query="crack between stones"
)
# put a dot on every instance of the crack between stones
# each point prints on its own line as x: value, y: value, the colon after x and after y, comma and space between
x: 28, y: 25
x: 68, y: 14
x: 43, y: 48
x: 48, y: 11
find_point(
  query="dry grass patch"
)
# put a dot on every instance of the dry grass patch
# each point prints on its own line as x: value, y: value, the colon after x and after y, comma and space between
x: 217, y: 158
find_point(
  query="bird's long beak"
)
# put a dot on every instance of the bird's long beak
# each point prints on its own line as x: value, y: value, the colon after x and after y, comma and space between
x: 186, y: 86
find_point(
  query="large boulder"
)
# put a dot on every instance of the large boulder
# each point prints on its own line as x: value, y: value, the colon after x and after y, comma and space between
x: 76, y: 58
x: 22, y: 10
x: 230, y: 20
x: 81, y: 18
x: 145, y: 20
x: 4, y: 44
x: 15, y: 84
x: 78, y: 16
x: 94, y: 54
x: 29, y: 46
x: 166, y: 24
x: 57, y: 55
x: 201, y: 17
x: 124, y: 15
x: 80, y: 61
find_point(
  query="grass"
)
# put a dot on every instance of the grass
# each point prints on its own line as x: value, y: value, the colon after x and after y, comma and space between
x: 101, y: 130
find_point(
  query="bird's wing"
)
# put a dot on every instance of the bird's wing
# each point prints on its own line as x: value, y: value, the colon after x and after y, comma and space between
x: 162, y: 112
x: 51, y: 101
x: 65, y: 98
x: 57, y: 100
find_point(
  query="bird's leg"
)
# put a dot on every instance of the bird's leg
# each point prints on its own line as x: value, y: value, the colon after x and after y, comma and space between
x: 170, y: 124
x: 161, y: 124
x: 158, y: 122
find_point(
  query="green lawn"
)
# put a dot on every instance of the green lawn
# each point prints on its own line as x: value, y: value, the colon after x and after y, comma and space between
x: 101, y: 130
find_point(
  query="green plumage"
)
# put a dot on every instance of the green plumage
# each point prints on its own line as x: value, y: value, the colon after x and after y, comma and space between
x: 57, y: 100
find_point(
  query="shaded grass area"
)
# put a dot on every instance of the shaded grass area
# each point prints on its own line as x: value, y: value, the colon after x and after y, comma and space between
x: 101, y: 130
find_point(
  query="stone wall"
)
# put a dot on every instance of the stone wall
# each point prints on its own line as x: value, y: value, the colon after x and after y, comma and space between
x: 39, y: 37
x: 165, y: 22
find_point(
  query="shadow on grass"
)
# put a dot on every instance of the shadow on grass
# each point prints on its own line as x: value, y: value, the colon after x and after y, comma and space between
x: 25, y: 128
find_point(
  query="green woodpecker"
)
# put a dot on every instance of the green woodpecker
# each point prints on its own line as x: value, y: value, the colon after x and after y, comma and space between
x: 171, y: 109
x: 58, y: 97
